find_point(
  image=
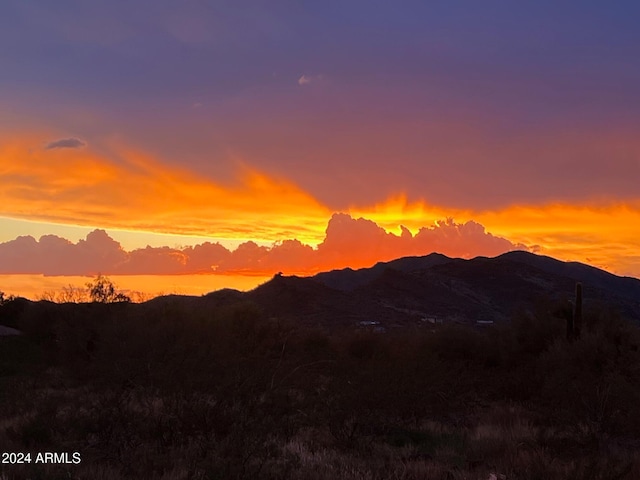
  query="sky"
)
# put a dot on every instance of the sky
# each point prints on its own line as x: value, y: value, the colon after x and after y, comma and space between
x: 300, y: 136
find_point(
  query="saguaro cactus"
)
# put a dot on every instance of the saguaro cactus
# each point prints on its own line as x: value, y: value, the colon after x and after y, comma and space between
x: 577, y: 312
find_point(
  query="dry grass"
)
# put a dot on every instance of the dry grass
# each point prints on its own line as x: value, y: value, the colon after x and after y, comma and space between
x: 193, y: 397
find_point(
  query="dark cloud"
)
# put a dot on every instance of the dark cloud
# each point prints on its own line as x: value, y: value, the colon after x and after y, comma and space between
x: 70, y: 142
x: 348, y: 242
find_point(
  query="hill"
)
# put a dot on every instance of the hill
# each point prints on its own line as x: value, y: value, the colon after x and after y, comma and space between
x: 438, y: 288
x: 292, y: 380
x: 415, y: 291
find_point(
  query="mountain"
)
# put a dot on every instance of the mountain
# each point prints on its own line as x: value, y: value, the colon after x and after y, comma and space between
x: 347, y: 279
x: 489, y: 289
x: 414, y: 291
x: 437, y: 289
x: 625, y: 286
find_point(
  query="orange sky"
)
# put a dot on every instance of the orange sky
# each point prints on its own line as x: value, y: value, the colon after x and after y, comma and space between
x: 603, y: 233
x: 138, y: 287
x: 130, y: 190
x: 302, y: 138
x: 139, y: 193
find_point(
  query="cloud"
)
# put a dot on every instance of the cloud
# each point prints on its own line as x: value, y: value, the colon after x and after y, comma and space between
x: 70, y: 142
x: 464, y: 240
x: 53, y: 255
x: 348, y: 242
x: 307, y: 79
x: 153, y: 261
x: 357, y: 242
x: 130, y: 190
x: 206, y: 257
x: 304, y: 80
x: 361, y: 242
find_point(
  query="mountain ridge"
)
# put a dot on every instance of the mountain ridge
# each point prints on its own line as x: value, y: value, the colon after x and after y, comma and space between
x: 410, y: 290
x: 419, y: 290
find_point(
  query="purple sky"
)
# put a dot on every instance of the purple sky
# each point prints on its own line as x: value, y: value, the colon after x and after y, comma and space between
x: 492, y: 109
x: 473, y: 103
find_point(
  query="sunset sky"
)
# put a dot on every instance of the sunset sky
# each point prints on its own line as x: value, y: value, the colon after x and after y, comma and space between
x: 300, y: 136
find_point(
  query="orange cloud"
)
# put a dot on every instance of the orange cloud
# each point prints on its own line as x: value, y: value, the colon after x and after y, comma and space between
x: 82, y: 186
x: 128, y: 189
x: 605, y: 234
x: 348, y: 242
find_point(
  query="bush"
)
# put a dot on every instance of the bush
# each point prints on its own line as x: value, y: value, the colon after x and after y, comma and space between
x: 104, y: 290
x: 4, y: 299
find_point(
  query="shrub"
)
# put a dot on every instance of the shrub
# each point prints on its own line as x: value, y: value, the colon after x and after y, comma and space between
x: 5, y: 299
x: 104, y: 290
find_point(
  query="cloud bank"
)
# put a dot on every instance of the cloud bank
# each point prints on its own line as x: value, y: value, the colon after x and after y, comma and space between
x: 115, y: 186
x: 349, y: 242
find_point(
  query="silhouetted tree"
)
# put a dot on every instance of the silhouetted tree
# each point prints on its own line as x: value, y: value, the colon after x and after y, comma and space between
x: 5, y: 299
x: 104, y: 290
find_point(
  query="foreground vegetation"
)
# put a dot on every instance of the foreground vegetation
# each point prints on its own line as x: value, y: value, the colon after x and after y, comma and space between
x: 159, y: 391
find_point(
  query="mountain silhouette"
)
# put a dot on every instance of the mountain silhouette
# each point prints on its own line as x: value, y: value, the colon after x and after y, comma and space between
x: 435, y: 288
x: 414, y: 291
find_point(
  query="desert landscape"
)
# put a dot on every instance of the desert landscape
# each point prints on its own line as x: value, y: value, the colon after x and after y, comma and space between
x: 371, y: 373
x: 333, y: 240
